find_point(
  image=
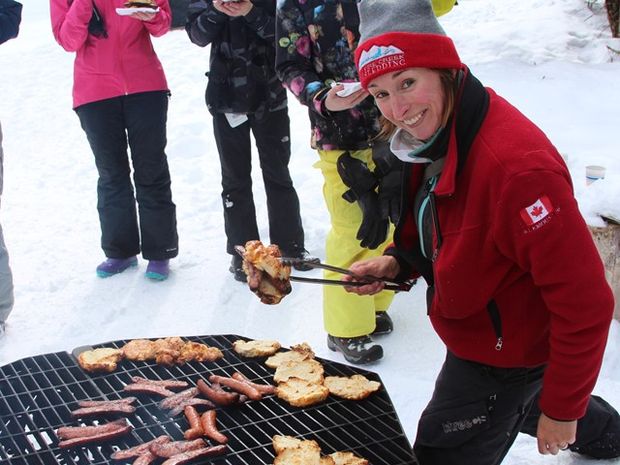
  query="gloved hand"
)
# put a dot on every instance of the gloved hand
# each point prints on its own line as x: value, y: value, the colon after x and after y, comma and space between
x: 362, y: 183
x: 388, y: 170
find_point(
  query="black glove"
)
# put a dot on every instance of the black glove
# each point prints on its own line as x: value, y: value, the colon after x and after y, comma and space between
x: 388, y: 170
x: 362, y: 183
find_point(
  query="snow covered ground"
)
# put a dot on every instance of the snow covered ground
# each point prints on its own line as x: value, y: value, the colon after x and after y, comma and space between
x: 549, y: 57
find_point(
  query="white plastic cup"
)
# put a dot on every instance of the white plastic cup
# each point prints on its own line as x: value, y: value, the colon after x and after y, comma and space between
x: 594, y: 173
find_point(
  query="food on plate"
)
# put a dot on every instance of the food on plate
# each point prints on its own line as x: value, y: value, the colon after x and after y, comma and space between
x: 267, y: 277
x: 102, y: 359
x: 356, y: 387
x: 209, y: 427
x: 347, y: 458
x: 140, y: 4
x: 292, y: 451
x: 299, y: 353
x: 242, y: 388
x: 72, y: 436
x: 301, y: 393
x: 264, y: 389
x: 256, y: 348
x: 309, y: 370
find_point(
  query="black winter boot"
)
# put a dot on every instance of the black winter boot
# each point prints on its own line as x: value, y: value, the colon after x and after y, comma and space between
x: 358, y: 350
x: 383, y: 324
x: 236, y: 268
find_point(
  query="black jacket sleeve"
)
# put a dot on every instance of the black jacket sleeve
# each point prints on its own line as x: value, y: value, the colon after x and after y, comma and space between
x: 10, y: 17
x: 204, y: 23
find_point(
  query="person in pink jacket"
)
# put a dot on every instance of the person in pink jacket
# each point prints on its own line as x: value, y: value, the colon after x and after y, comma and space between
x: 120, y: 95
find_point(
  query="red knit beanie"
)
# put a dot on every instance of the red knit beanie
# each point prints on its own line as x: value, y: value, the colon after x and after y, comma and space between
x: 399, y: 35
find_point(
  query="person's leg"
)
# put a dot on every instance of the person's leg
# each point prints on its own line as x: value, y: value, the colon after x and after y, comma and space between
x: 475, y: 413
x: 145, y: 119
x: 6, y: 284
x: 346, y: 315
x: 272, y: 134
x: 235, y: 151
x: 104, y: 125
x: 598, y: 431
x: 6, y: 277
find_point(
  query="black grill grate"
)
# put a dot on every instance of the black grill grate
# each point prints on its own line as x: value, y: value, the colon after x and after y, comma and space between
x: 38, y: 393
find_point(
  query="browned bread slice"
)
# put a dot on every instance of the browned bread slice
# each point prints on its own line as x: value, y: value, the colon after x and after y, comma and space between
x: 356, y: 387
x: 309, y: 370
x: 257, y: 348
x: 347, y: 458
x: 301, y: 393
x: 102, y: 359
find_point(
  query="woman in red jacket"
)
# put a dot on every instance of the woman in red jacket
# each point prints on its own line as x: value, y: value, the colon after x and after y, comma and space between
x: 121, y: 96
x: 516, y: 288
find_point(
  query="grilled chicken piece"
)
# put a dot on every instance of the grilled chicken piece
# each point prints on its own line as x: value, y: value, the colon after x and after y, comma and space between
x: 268, y: 278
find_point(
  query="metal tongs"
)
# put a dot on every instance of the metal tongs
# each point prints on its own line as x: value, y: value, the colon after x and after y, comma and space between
x: 316, y: 263
x: 361, y: 280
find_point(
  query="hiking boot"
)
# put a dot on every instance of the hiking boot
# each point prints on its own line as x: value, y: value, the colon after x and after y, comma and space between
x: 301, y: 254
x: 236, y: 268
x: 358, y: 350
x: 158, y: 270
x: 383, y: 324
x: 112, y: 266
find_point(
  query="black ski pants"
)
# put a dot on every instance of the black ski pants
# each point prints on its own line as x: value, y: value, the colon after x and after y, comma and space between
x: 476, y: 412
x: 271, y: 132
x: 137, y: 120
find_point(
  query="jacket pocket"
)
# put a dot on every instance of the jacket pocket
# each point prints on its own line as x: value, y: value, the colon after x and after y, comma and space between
x: 453, y: 427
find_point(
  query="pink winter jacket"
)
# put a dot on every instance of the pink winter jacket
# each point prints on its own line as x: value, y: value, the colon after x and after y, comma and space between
x: 121, y: 64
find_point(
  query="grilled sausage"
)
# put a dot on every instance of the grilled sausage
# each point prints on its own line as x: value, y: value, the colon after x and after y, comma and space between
x: 264, y: 389
x: 216, y: 394
x: 169, y: 449
x: 103, y: 410
x: 148, y: 388
x: 239, y: 386
x: 185, y: 457
x: 209, y: 427
x: 194, y: 401
x: 145, y: 459
x: 99, y: 437
x: 176, y: 399
x: 98, y: 403
x: 195, y: 427
x: 166, y: 383
x: 72, y: 432
x: 140, y: 449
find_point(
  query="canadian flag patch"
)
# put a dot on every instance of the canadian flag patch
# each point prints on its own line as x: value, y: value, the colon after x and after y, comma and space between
x: 538, y: 211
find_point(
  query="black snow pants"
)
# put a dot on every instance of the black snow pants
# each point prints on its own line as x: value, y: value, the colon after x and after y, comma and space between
x: 272, y: 135
x: 476, y: 412
x: 140, y: 121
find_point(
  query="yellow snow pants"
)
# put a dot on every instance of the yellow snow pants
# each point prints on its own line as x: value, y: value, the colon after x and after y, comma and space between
x: 344, y: 314
x: 441, y: 7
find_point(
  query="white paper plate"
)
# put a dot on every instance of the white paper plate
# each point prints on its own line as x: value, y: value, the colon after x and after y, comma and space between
x: 130, y: 11
x: 349, y: 88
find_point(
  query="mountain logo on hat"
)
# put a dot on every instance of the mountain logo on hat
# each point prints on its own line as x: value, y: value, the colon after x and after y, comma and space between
x: 378, y: 52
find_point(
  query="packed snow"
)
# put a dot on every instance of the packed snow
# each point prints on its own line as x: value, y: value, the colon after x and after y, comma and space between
x: 555, y: 60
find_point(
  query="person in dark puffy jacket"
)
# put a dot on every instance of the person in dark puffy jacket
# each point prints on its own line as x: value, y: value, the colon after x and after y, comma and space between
x: 10, y: 18
x: 245, y: 96
x: 121, y: 96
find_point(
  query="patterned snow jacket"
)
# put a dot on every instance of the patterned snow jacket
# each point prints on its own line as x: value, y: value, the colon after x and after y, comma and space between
x: 315, y: 44
x: 242, y: 76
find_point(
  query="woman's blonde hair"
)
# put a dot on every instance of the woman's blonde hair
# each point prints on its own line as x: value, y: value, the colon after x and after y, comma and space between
x: 449, y: 86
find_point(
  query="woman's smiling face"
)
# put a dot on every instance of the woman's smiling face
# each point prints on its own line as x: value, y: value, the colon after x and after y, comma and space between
x: 412, y: 99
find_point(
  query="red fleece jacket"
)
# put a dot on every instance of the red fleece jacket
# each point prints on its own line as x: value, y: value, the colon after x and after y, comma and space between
x: 512, y: 233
